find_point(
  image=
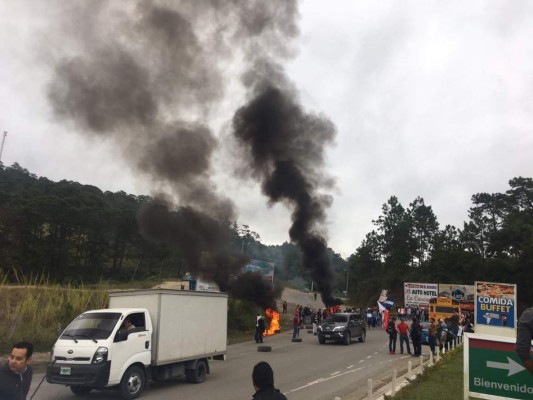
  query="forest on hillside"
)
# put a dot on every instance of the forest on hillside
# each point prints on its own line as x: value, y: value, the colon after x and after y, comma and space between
x: 408, y: 245
x: 74, y: 233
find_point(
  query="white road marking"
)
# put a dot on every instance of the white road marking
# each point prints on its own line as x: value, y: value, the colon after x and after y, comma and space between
x: 321, y: 380
x: 335, y: 373
x: 350, y: 366
x: 361, y: 361
x: 369, y: 357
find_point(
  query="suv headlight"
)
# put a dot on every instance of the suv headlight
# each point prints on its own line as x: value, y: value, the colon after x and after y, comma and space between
x: 339, y: 328
x: 100, y: 355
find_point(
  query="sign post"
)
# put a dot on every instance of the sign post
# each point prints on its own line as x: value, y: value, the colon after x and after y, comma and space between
x: 492, y: 370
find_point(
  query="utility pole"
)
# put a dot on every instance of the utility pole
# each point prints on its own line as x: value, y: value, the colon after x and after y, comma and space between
x: 2, y: 146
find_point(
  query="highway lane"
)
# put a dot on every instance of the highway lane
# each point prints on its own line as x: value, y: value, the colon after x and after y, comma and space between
x: 305, y: 370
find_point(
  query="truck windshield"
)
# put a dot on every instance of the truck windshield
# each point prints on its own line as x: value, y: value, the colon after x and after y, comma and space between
x: 91, y: 326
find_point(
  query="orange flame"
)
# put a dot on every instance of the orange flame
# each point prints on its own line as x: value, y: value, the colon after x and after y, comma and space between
x: 274, y: 322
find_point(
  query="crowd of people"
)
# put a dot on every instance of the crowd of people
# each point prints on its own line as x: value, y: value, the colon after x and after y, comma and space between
x: 16, y: 374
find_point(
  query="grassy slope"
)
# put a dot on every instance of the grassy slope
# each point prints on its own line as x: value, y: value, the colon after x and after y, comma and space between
x: 443, y: 381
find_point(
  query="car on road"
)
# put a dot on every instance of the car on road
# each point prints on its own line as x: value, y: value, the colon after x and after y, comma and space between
x: 425, y: 332
x: 342, y: 327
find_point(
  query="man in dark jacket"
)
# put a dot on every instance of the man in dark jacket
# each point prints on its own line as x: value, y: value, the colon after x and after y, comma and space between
x: 263, y: 380
x: 15, y: 376
x: 524, y: 336
x: 259, y: 330
x: 416, y: 337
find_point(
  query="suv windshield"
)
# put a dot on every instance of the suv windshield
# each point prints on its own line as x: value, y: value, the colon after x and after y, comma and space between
x: 336, y: 319
x: 91, y: 326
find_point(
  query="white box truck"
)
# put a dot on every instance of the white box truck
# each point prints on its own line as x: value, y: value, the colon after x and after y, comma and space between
x: 152, y: 334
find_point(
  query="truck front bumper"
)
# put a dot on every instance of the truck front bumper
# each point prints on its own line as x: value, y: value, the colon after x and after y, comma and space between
x: 95, y: 376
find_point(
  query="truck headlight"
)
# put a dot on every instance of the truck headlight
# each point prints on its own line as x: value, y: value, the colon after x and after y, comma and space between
x: 100, y: 355
x: 52, y: 358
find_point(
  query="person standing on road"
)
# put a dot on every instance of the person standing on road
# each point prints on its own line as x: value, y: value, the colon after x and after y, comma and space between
x: 524, y: 336
x: 259, y: 330
x: 263, y: 380
x: 403, y: 330
x: 432, y: 336
x: 284, y: 307
x: 393, y: 335
x: 295, y: 326
x: 16, y: 375
x: 416, y: 337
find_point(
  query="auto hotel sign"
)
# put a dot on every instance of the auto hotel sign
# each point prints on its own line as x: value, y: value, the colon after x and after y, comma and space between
x: 495, y: 308
x: 418, y: 294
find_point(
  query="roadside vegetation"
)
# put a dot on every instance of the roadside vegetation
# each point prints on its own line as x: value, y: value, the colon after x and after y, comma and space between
x: 36, y: 310
x: 443, y: 381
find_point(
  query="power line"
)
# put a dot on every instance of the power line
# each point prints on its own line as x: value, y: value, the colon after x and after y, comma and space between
x: 2, y: 146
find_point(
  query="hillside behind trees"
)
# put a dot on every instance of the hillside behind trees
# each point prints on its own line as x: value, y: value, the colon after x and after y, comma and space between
x: 74, y: 233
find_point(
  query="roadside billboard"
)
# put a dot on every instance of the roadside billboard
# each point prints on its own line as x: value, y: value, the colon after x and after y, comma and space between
x: 492, y: 369
x: 418, y: 294
x: 457, y: 292
x: 495, y: 308
x: 464, y: 294
x: 263, y: 267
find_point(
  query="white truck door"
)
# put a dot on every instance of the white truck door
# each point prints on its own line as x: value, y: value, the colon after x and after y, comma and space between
x: 132, y: 344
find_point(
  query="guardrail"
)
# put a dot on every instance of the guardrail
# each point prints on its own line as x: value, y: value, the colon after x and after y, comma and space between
x: 396, y: 383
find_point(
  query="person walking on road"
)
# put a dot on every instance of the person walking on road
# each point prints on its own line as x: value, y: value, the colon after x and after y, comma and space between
x: 523, y: 338
x: 403, y: 330
x: 393, y: 335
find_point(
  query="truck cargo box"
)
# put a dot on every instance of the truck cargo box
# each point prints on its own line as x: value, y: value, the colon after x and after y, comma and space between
x: 186, y: 324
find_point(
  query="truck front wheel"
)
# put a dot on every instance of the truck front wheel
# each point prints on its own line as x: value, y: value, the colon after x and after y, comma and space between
x: 132, y: 383
x: 198, y: 374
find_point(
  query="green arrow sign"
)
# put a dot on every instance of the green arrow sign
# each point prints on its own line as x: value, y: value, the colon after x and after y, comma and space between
x: 494, y: 369
x: 512, y: 366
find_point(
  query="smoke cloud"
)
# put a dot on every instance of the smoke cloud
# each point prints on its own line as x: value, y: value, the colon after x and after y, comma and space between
x: 151, y: 76
x: 284, y: 146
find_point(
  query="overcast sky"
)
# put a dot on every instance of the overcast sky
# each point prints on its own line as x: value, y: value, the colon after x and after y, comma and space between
x: 429, y: 99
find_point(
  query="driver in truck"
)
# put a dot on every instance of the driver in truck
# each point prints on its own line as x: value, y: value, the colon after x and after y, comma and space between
x: 127, y: 325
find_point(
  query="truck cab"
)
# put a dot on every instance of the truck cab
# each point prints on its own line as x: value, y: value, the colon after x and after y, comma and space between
x: 124, y: 347
x: 97, y: 349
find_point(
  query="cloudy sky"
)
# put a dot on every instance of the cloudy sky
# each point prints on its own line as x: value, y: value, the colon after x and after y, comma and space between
x: 429, y: 99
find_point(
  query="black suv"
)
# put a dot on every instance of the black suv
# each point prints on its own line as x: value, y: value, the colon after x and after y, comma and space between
x: 342, y: 327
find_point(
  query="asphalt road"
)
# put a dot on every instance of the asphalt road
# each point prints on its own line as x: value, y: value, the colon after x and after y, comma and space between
x: 302, y: 371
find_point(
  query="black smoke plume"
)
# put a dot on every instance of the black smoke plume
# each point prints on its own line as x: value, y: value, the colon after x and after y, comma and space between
x: 203, y: 242
x: 284, y: 145
x: 149, y: 76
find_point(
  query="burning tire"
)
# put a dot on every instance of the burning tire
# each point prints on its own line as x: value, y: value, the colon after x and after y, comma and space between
x: 297, y: 339
x: 264, y: 349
